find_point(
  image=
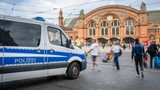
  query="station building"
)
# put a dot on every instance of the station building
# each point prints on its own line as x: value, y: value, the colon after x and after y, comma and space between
x: 113, y: 23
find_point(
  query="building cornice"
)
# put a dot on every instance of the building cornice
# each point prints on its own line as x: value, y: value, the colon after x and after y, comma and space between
x: 113, y: 7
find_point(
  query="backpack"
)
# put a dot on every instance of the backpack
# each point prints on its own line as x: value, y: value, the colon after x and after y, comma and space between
x: 138, y: 49
x: 151, y: 50
x: 120, y: 52
x: 158, y: 54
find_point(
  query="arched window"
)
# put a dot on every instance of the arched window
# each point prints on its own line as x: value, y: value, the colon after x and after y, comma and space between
x: 117, y: 31
x: 104, y: 28
x: 132, y: 30
x: 102, y: 31
x: 104, y: 23
x: 115, y: 27
x: 127, y: 30
x: 94, y: 32
x: 92, y: 28
x: 106, y: 31
x: 90, y: 31
x: 130, y: 27
x: 113, y: 31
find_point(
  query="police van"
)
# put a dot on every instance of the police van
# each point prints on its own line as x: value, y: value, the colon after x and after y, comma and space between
x: 32, y: 49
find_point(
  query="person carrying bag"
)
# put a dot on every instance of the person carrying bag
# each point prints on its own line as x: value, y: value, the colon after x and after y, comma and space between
x: 115, y: 50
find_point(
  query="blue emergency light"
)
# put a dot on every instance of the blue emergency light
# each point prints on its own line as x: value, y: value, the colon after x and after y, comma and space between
x: 39, y: 18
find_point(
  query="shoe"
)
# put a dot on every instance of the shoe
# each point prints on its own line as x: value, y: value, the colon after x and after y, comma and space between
x: 115, y: 68
x: 92, y: 68
x: 142, y: 75
x: 137, y: 75
x: 99, y: 70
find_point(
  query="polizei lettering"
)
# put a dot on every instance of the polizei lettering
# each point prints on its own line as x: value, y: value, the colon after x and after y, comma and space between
x: 24, y: 60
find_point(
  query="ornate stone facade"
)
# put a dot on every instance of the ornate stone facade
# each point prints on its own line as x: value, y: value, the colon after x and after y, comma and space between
x: 115, y: 22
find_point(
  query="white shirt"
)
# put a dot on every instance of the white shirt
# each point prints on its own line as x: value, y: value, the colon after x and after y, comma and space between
x: 95, y: 49
x: 115, y: 48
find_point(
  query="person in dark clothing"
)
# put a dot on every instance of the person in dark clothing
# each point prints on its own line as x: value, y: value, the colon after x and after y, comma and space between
x: 152, y: 51
x: 103, y: 45
x: 138, y: 53
x: 124, y: 47
x: 158, y: 46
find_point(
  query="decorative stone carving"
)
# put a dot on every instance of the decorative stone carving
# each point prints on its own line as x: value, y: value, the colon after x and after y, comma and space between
x: 122, y: 15
x: 81, y: 15
x: 97, y: 17
x: 143, y: 8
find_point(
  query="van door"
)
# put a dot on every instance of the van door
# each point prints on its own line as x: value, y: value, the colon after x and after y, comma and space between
x: 23, y: 50
x: 1, y: 46
x: 57, y: 51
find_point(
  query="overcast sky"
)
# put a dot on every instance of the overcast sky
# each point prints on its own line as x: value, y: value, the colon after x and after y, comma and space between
x: 49, y: 9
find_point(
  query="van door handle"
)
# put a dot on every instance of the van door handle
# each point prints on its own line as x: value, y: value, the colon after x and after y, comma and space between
x: 51, y: 50
x: 38, y: 50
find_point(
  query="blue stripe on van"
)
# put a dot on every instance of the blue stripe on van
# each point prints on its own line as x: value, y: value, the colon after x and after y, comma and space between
x: 63, y: 56
x: 0, y: 61
x: 79, y: 55
x: 23, y: 60
x: 33, y: 51
x: 1, y: 51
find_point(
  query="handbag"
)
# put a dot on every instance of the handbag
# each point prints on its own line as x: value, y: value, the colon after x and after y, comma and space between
x: 105, y: 58
x: 145, y: 57
x: 110, y: 56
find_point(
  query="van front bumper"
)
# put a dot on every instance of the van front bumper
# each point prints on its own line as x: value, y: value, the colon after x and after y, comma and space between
x: 83, y: 65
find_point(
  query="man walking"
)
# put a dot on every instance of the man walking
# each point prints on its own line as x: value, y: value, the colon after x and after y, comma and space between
x: 115, y: 50
x: 152, y: 50
x: 94, y: 52
x: 137, y: 54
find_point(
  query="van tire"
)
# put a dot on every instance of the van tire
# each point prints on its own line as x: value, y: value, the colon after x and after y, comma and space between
x: 73, y: 71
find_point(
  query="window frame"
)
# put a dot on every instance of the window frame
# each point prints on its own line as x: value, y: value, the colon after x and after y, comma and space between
x: 92, y: 28
x: 115, y: 27
x: 130, y: 27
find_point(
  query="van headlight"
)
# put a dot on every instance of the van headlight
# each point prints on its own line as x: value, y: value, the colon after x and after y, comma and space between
x: 84, y: 55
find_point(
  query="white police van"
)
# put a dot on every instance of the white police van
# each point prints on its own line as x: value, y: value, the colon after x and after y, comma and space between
x: 31, y: 49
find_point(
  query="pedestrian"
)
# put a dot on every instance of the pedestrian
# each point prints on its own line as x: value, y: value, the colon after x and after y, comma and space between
x: 158, y: 46
x: 71, y: 39
x: 124, y: 47
x: 103, y: 45
x: 115, y: 50
x: 152, y: 51
x: 94, y: 52
x: 76, y: 41
x: 138, y: 53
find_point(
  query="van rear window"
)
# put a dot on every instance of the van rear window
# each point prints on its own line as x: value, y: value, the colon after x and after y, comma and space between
x: 19, y: 34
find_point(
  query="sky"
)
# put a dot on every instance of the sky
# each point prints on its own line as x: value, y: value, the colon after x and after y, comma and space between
x: 49, y: 9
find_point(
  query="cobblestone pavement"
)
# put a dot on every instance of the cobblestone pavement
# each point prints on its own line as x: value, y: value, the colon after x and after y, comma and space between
x: 125, y: 78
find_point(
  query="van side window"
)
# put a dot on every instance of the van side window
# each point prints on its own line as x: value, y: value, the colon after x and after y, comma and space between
x: 56, y: 37
x: 64, y: 40
x: 19, y: 34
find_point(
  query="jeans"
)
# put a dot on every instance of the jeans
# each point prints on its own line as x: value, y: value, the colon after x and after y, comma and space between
x: 151, y: 61
x: 138, y: 62
x: 116, y: 55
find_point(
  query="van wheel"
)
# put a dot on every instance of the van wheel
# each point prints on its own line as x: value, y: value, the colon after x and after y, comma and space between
x: 73, y: 71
